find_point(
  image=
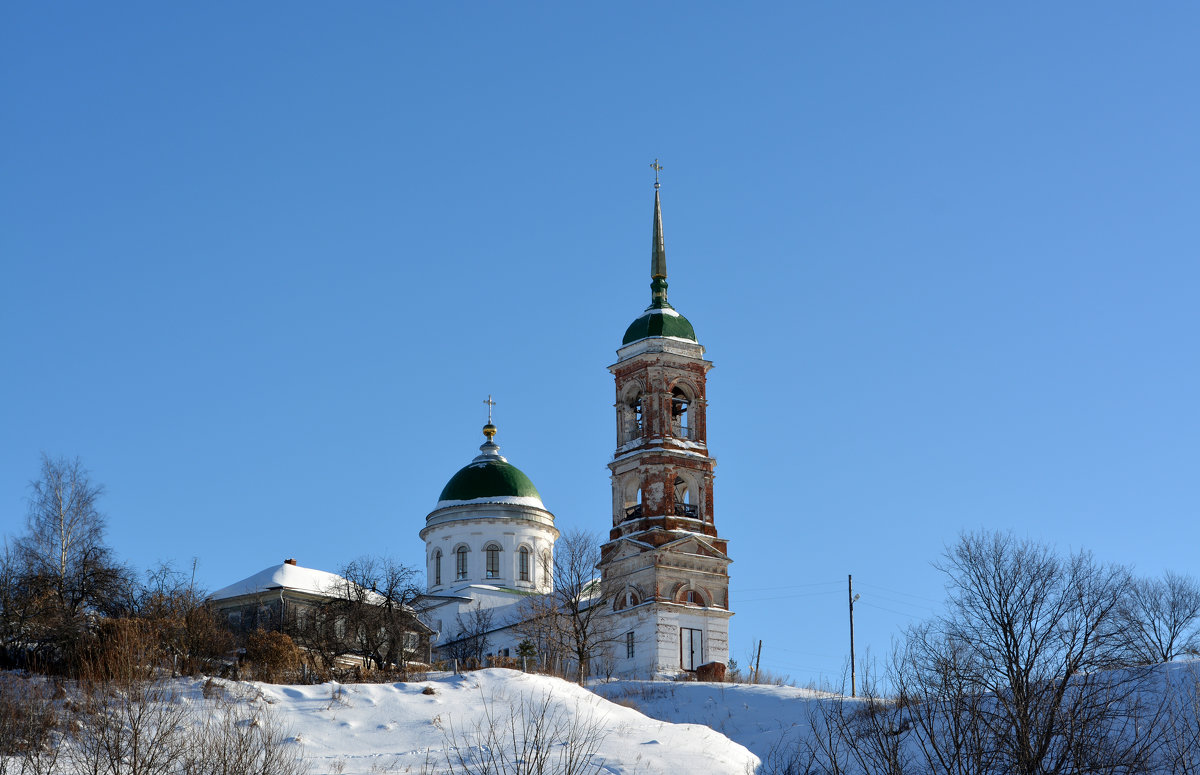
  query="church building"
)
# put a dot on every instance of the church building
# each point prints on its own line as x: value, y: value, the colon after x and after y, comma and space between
x: 489, y: 543
x: 663, y: 575
x: 665, y: 563
x: 490, y: 539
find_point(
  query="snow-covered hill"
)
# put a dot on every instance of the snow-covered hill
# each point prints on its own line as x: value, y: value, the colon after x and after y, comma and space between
x: 622, y: 727
x: 371, y: 728
x: 757, y: 717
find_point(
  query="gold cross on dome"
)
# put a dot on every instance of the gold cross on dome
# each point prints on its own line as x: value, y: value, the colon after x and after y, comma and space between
x: 490, y: 403
x: 657, y: 169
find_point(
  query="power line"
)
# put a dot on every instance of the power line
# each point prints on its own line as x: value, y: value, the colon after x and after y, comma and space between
x: 892, y: 590
x: 783, y: 597
x: 813, y: 584
x: 890, y: 610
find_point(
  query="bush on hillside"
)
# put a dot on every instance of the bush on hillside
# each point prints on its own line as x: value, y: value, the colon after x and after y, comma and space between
x: 272, y: 656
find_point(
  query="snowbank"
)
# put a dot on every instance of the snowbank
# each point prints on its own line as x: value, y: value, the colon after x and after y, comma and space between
x: 754, y: 716
x: 369, y: 728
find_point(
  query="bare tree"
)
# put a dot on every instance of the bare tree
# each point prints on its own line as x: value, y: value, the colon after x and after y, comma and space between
x: 381, y: 594
x: 188, y: 631
x: 1034, y: 634
x: 321, y: 631
x: 537, y: 620
x: 472, y: 635
x: 1160, y: 619
x: 571, y: 621
x: 1180, y: 723
x: 369, y: 612
x: 65, y: 571
x: 582, y: 598
x: 938, y: 685
x: 17, y: 609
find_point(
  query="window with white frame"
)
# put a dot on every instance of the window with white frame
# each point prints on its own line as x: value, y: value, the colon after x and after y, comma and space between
x: 493, y: 561
x: 460, y: 563
x: 523, y: 564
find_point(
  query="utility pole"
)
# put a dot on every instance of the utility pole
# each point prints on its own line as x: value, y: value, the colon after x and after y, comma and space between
x: 852, y: 597
x: 757, y: 660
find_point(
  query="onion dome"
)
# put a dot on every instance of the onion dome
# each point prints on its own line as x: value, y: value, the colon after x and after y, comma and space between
x: 490, y: 478
x: 660, y: 318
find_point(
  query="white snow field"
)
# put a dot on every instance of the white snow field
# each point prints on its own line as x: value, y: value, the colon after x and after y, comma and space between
x: 755, y: 716
x: 372, y: 728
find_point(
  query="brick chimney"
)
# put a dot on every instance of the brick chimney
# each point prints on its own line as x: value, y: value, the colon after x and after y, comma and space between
x: 290, y: 561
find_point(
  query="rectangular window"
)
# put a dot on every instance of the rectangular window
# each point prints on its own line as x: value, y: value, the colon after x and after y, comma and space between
x: 523, y: 564
x: 493, y: 562
x: 629, y: 645
x: 437, y: 568
x: 460, y: 566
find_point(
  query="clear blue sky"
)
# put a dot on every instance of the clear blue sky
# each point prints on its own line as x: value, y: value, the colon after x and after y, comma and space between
x: 262, y: 264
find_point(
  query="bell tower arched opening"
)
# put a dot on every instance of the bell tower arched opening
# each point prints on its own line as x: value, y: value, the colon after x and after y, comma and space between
x: 681, y: 403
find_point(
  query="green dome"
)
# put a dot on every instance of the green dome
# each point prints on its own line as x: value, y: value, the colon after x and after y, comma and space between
x: 659, y: 321
x: 495, y: 479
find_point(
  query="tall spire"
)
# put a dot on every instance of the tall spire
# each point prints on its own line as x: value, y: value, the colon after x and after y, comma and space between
x: 658, y: 250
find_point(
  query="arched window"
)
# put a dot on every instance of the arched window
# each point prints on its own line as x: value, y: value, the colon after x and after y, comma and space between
x: 687, y: 498
x: 460, y: 563
x: 493, y: 561
x: 630, y: 420
x: 547, y: 567
x: 689, y: 596
x: 680, y: 421
x: 523, y: 563
x: 633, y: 500
x: 627, y: 599
x: 437, y: 567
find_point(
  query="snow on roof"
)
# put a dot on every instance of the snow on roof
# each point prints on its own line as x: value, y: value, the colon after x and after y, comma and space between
x: 283, y: 576
x: 513, y: 500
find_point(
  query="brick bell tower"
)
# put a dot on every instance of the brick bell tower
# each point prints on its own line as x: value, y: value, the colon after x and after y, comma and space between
x: 664, y: 563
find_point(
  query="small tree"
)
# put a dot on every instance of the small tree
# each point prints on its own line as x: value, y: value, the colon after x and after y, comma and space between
x: 572, y: 620
x: 539, y: 623
x: 472, y: 636
x: 582, y: 598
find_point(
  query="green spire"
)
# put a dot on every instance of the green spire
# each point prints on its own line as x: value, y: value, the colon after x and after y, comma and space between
x: 660, y: 319
x: 658, y: 253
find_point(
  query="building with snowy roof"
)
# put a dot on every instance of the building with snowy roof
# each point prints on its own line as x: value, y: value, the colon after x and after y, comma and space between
x: 286, y: 597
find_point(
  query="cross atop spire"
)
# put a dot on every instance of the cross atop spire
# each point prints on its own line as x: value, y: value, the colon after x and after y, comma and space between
x: 489, y: 430
x: 657, y: 169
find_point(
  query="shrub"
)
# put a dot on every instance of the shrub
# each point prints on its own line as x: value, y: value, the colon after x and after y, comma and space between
x: 273, y: 657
